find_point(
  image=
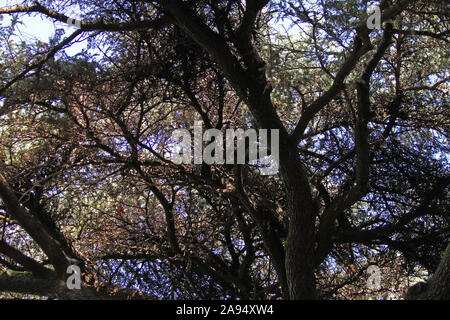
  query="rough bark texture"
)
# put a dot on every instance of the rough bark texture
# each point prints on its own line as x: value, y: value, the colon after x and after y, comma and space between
x: 438, y: 286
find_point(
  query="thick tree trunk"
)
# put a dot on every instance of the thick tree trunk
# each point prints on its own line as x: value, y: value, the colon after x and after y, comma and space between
x: 301, y: 240
x: 438, y: 286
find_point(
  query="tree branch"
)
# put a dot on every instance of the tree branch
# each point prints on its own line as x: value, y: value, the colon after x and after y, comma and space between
x: 361, y: 150
x: 438, y: 286
x: 29, y: 264
x: 34, y: 228
x: 360, y: 48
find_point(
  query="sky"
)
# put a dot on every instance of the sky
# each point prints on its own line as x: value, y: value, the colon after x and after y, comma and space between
x: 41, y: 27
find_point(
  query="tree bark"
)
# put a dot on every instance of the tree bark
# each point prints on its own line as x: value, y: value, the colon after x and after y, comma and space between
x: 438, y: 286
x: 300, y: 245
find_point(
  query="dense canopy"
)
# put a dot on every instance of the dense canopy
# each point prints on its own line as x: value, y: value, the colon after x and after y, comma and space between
x: 358, y: 210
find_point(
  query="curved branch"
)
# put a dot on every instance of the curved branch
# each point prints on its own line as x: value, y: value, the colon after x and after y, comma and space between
x: 361, y: 47
x: 34, y: 228
x: 29, y: 264
x: 438, y: 286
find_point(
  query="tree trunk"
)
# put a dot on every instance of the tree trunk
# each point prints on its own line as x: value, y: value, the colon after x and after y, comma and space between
x: 300, y: 243
x: 438, y: 286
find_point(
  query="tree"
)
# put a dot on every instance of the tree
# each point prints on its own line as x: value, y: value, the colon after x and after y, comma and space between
x: 437, y: 286
x: 363, y: 148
